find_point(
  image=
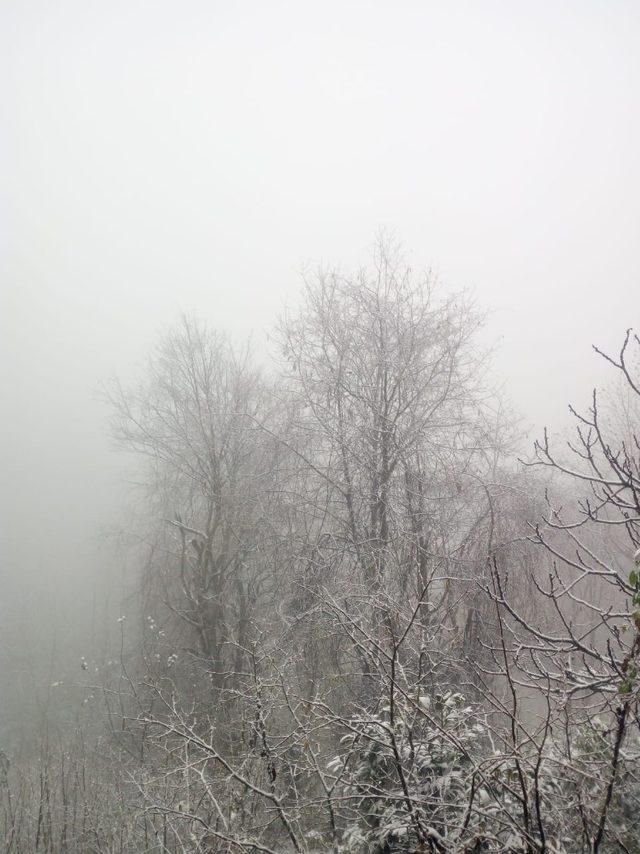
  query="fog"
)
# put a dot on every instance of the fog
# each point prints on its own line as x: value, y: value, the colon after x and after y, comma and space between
x: 198, y: 157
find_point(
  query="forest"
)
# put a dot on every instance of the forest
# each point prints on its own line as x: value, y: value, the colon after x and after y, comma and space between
x: 365, y: 618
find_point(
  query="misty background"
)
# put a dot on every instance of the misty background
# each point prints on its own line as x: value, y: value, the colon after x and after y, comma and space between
x: 198, y: 156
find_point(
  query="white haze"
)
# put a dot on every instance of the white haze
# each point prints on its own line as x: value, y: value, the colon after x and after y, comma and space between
x: 164, y: 156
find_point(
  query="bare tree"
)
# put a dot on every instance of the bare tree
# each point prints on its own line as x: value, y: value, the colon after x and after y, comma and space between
x: 580, y: 652
x: 402, y: 431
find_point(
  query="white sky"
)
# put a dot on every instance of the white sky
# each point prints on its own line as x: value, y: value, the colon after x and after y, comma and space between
x: 164, y: 156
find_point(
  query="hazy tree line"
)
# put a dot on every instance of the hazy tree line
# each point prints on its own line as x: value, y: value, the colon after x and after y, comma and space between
x: 363, y: 625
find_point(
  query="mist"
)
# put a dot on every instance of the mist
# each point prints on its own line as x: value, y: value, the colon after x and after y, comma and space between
x: 202, y: 159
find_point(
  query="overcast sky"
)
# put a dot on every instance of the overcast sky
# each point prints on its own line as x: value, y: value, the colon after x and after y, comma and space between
x: 165, y: 156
